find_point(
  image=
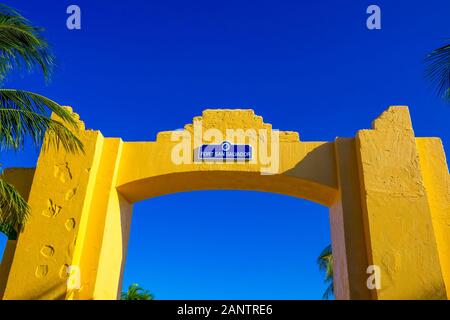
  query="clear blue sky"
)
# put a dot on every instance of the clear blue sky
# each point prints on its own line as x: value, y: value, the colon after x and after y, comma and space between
x: 140, y: 67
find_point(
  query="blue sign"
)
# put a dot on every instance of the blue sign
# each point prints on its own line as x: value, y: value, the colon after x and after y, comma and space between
x: 224, y: 151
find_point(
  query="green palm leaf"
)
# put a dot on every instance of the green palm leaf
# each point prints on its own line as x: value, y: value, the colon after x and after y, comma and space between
x: 135, y: 292
x: 22, y: 45
x: 438, y: 71
x: 329, y: 292
x: 23, y: 114
x: 9, y: 231
x: 14, y: 210
x: 26, y: 115
x: 325, y: 263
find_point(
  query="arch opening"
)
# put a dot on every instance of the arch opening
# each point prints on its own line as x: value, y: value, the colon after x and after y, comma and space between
x: 190, y: 245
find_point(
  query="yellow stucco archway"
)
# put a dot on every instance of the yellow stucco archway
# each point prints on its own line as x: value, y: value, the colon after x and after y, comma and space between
x: 388, y: 193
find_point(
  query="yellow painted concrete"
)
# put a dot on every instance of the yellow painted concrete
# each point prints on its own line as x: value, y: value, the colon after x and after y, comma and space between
x: 22, y: 180
x: 388, y: 194
x: 437, y: 184
x: 399, y: 233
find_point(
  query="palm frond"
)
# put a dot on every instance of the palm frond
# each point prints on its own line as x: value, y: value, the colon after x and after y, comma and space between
x: 11, y: 98
x: 135, y: 292
x: 9, y: 231
x: 438, y: 70
x: 22, y: 44
x: 329, y: 292
x: 23, y: 114
x: 324, y: 258
x: 14, y: 210
x: 325, y: 263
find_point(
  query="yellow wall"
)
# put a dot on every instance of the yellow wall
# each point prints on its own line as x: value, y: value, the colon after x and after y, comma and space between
x: 437, y: 183
x: 22, y: 180
x: 399, y: 232
x: 386, y: 189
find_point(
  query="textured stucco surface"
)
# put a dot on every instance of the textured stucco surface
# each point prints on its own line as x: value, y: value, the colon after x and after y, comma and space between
x: 399, y: 231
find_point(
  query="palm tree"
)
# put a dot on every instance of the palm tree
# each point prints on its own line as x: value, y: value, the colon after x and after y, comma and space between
x: 325, y: 262
x: 438, y: 71
x: 135, y: 292
x: 23, y: 114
